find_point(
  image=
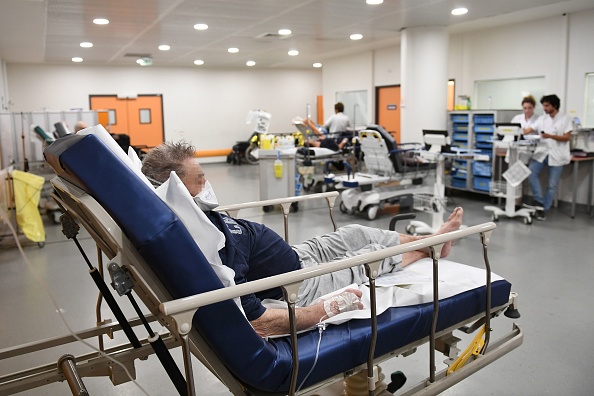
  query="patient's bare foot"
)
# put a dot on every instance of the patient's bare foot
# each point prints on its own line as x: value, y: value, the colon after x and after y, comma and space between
x: 452, y: 224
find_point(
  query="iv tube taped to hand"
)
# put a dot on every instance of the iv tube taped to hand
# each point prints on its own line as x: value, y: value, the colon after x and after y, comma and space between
x: 343, y: 302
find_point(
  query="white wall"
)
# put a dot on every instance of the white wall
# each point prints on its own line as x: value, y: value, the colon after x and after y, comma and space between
x: 386, y: 66
x: 204, y: 106
x: 533, y: 48
x: 580, y: 59
x: 352, y: 73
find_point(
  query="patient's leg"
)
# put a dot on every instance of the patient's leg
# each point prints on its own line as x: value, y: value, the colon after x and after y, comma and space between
x: 453, y: 223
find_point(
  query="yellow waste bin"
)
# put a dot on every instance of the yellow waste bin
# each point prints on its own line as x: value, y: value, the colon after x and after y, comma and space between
x: 27, y: 191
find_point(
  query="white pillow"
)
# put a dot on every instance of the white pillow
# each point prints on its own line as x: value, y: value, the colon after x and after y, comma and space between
x: 208, y: 237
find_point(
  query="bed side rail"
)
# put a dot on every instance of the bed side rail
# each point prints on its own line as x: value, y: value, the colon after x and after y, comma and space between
x: 190, y: 304
x: 285, y: 204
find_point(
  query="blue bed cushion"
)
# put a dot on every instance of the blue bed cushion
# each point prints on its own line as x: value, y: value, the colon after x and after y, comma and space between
x: 170, y: 251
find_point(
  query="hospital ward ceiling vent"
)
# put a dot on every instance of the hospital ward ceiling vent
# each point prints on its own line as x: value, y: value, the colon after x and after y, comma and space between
x: 131, y: 55
x: 271, y: 36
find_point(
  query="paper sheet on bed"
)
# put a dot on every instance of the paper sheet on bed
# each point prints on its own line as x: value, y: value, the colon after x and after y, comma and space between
x: 411, y: 286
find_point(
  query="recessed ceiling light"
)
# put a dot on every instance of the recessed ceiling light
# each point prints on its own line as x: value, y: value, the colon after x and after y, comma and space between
x: 284, y: 32
x: 164, y: 47
x: 201, y: 26
x: 250, y: 63
x: 100, y: 21
x: 317, y: 64
x: 199, y: 62
x: 293, y: 52
x: 356, y: 36
x: 77, y: 59
x: 233, y: 50
x: 373, y: 2
x: 459, y: 11
x: 86, y: 44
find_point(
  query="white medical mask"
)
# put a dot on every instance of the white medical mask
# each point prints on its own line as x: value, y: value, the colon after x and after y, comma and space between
x: 206, y: 199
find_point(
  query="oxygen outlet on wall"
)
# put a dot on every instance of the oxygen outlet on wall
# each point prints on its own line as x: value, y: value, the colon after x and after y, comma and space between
x: 278, y: 166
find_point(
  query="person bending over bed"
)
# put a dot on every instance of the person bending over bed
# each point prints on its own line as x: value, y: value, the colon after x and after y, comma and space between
x: 254, y: 251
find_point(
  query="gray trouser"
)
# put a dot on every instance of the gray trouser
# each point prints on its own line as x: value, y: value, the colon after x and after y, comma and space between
x: 347, y: 241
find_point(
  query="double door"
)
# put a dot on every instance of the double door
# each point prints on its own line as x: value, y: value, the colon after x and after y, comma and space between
x: 141, y: 117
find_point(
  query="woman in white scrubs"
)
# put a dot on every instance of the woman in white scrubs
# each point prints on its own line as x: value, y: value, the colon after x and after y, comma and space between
x: 528, y: 122
x: 527, y: 119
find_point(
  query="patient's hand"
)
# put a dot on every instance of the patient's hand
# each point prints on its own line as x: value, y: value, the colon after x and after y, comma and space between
x: 349, y: 300
x: 276, y: 321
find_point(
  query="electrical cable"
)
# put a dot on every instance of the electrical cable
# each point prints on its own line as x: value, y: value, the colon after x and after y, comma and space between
x: 59, y: 310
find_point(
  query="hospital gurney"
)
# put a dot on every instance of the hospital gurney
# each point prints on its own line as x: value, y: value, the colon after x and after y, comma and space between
x: 180, y: 288
x: 314, y: 164
x: 393, y: 172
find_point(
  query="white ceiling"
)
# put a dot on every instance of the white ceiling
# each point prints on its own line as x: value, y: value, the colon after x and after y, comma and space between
x: 50, y: 31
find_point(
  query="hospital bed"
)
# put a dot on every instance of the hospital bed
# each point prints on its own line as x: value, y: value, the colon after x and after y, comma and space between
x: 393, y: 173
x: 314, y: 164
x: 141, y: 234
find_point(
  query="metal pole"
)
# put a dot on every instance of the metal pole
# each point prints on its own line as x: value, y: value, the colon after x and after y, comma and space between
x: 67, y: 365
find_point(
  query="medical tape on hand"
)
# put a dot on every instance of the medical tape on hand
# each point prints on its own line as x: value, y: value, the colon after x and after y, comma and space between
x: 343, y: 302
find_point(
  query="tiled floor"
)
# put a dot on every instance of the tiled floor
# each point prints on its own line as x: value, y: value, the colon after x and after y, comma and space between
x: 550, y: 265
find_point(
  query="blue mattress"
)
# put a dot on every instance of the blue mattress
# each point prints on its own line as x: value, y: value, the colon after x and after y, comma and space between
x: 176, y: 260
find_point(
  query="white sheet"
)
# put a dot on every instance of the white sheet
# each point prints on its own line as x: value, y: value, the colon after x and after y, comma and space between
x: 411, y: 286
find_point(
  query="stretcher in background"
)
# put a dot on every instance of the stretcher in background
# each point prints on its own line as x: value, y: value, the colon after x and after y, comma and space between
x: 509, y: 185
x: 393, y: 174
x: 337, y: 158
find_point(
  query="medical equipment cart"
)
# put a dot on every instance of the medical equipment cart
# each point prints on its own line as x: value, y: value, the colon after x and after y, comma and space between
x: 511, y: 187
x: 275, y: 183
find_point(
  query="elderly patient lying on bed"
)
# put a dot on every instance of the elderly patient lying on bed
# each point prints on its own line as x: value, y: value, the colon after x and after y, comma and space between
x: 254, y: 251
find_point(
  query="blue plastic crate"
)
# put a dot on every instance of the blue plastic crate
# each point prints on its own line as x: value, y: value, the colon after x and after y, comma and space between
x: 461, y: 118
x: 481, y: 168
x: 459, y: 144
x: 460, y: 136
x: 484, y: 138
x: 481, y: 183
x: 484, y: 128
x: 483, y: 145
x: 484, y: 119
x: 461, y: 163
x: 460, y: 127
x: 487, y: 152
x: 458, y: 183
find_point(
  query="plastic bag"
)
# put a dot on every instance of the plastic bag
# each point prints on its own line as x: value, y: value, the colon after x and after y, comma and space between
x: 27, y: 191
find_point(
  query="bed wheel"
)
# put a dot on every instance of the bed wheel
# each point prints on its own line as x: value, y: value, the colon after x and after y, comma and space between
x: 372, y: 212
x: 494, y: 218
x: 248, y: 155
x: 41, y: 244
x: 267, y: 208
x: 527, y: 220
x: 512, y: 313
x: 343, y: 208
x: 295, y: 207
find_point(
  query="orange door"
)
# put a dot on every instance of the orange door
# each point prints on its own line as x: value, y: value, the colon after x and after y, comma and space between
x: 388, y: 109
x: 141, y: 118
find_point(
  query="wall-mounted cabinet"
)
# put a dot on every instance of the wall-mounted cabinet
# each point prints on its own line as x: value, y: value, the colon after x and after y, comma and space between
x: 474, y: 129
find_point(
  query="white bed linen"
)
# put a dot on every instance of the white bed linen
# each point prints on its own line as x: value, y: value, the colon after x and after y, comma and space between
x: 411, y: 286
